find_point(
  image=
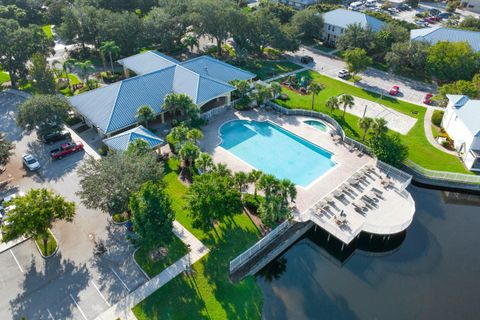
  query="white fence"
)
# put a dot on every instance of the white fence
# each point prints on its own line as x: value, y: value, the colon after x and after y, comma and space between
x: 442, y: 175
x: 262, y: 243
x: 397, y: 174
x: 218, y: 110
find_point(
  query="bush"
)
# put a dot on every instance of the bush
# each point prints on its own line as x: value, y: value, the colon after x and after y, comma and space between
x: 283, y: 97
x: 251, y: 203
x: 120, y: 217
x: 446, y: 144
x: 103, y: 151
x: 73, y: 119
x: 437, y: 117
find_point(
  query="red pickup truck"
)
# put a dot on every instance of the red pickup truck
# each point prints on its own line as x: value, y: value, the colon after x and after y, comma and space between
x: 65, y: 150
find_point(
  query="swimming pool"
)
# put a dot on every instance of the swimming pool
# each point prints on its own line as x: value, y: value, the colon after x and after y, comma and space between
x: 274, y: 150
x: 317, y: 125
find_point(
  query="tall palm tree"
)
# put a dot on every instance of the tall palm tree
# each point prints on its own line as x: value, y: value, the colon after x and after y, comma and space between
x: 314, y: 89
x: 288, y: 191
x: 365, y: 124
x: 110, y: 48
x: 145, y: 113
x: 379, y: 127
x: 275, y: 88
x: 85, y: 69
x: 242, y: 87
x: 204, y: 162
x: 254, y: 177
x: 66, y: 65
x: 346, y: 100
x: 222, y: 170
x: 189, y: 153
x: 268, y: 184
x: 194, y: 135
x: 332, y: 103
x: 170, y: 103
x: 241, y: 180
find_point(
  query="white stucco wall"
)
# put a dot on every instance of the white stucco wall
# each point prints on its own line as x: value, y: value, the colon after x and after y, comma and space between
x: 334, y: 31
x: 457, y: 130
x: 471, y: 5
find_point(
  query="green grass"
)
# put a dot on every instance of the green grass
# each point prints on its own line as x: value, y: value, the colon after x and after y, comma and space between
x: 322, y: 47
x: 4, y: 76
x: 435, y: 131
x: 47, y: 29
x: 176, y: 249
x: 420, y: 150
x: 51, y: 244
x: 265, y: 69
x: 73, y: 80
x: 208, y: 294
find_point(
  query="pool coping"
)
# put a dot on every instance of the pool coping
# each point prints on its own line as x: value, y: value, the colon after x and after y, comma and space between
x: 312, y: 183
x: 327, y: 125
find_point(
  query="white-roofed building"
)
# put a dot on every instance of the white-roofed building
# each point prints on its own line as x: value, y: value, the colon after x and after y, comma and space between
x: 436, y: 34
x: 471, y: 5
x: 336, y: 21
x: 461, y: 121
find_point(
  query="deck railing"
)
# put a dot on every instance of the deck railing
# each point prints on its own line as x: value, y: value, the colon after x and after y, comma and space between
x: 262, y: 243
x: 442, y: 175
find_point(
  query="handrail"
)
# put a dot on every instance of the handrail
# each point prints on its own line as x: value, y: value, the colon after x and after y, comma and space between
x: 442, y: 175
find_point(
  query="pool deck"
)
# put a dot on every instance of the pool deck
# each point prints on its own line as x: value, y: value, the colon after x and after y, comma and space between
x: 389, y: 215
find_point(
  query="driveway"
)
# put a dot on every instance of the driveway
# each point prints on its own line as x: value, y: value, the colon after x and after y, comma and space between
x: 75, y: 283
x: 372, y: 79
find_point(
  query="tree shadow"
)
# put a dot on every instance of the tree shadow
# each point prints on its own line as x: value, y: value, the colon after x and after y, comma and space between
x: 64, y: 278
x: 8, y: 108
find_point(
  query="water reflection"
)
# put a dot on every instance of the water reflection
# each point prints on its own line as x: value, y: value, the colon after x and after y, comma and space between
x: 434, y: 273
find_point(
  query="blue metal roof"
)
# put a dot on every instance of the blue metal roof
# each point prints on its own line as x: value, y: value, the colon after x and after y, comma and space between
x: 208, y: 66
x: 121, y: 141
x: 343, y: 18
x: 148, y: 61
x: 436, y: 34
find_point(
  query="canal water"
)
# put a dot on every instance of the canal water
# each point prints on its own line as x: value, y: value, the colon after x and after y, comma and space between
x: 433, y: 274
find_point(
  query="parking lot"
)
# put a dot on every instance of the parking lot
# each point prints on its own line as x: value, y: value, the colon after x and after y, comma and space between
x: 75, y: 283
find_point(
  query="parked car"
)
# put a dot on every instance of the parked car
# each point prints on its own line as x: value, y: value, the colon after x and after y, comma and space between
x: 306, y: 59
x: 394, y: 90
x: 445, y: 15
x: 55, y: 136
x: 30, y: 162
x: 65, y: 150
x: 343, y: 74
x: 405, y: 7
x: 428, y: 98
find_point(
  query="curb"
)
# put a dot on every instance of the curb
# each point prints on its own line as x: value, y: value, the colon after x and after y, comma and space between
x: 54, y: 252
x: 138, y: 266
x: 14, y: 245
x: 119, y: 223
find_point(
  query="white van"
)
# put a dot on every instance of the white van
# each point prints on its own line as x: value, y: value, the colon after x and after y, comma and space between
x: 371, y: 3
x: 355, y: 6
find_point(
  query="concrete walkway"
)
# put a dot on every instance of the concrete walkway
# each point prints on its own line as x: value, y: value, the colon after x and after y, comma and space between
x: 427, y: 124
x: 283, y: 75
x: 122, y: 309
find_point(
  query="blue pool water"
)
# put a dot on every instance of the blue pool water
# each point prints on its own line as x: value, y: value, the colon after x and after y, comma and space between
x: 317, y: 124
x: 274, y: 150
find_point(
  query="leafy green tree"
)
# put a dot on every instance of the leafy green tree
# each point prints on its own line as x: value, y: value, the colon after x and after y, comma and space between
x: 85, y: 69
x: 332, y: 103
x: 389, y: 149
x: 111, y: 49
x: 384, y: 39
x: 379, y: 127
x: 138, y: 148
x: 365, y: 124
x: 278, y: 195
x: 204, y: 162
x: 314, y: 89
x: 408, y: 57
x: 194, y: 135
x: 33, y: 214
x: 190, y: 42
x: 275, y: 88
x: 152, y: 215
x: 281, y: 11
x: 308, y: 24
x: 145, y: 113
x: 17, y: 45
x: 261, y: 94
x: 165, y: 29
x: 356, y: 36
x: 212, y: 196
x: 6, y: 148
x: 178, y: 137
x: 43, y: 79
x: 357, y: 60
x: 107, y: 184
x: 451, y: 61
x: 471, y: 23
x: 347, y: 101
x: 468, y: 88
x: 46, y: 112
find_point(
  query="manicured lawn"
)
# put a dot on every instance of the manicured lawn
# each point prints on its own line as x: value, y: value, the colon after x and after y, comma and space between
x: 73, y: 80
x: 4, y: 77
x: 265, y: 69
x: 208, y: 294
x: 51, y: 244
x: 48, y: 30
x: 176, y: 249
x: 420, y: 150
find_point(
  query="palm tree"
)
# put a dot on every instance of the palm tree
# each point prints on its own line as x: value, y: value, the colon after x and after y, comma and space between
x: 241, y: 180
x: 275, y: 88
x: 85, y: 69
x: 365, y: 124
x: 332, y: 103
x: 110, y: 48
x: 346, y: 100
x: 66, y: 65
x: 314, y: 89
x: 379, y: 127
x: 204, y: 162
x: 254, y: 177
x: 222, y: 170
x: 145, y: 113
x: 190, y: 41
x: 261, y: 94
x: 268, y: 184
x: 194, y: 135
x: 288, y: 191
x: 242, y: 87
x: 170, y: 103
x: 189, y: 153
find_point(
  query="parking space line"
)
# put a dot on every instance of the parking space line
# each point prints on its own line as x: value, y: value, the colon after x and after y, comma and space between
x: 123, y: 283
x: 78, y: 307
x: 50, y: 315
x: 18, y: 263
x: 101, y: 295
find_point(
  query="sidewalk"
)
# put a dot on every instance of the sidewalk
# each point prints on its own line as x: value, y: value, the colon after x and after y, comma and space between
x: 122, y: 309
x: 7, y: 246
x: 427, y: 125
